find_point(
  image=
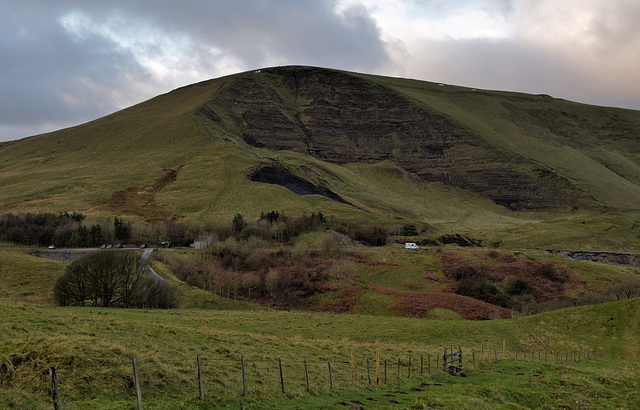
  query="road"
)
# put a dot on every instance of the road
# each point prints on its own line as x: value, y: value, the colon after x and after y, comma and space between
x: 148, y: 270
x: 71, y: 254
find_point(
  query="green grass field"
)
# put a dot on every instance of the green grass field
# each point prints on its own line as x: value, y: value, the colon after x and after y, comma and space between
x: 92, y: 350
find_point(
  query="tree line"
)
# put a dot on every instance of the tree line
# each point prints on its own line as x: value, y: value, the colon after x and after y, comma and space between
x: 73, y: 230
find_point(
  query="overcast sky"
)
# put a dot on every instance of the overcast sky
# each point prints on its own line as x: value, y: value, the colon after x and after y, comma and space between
x: 65, y: 62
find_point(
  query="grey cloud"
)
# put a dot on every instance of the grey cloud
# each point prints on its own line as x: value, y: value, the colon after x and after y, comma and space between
x: 302, y: 32
x: 44, y: 71
x: 516, y: 66
x: 49, y: 76
x: 616, y: 26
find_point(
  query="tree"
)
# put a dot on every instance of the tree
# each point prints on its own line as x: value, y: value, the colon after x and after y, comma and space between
x: 110, y: 278
x: 96, y: 235
x: 629, y: 288
x: 121, y: 229
x: 238, y: 223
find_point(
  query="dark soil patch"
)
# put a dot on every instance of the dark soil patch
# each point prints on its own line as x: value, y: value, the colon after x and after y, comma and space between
x: 139, y: 200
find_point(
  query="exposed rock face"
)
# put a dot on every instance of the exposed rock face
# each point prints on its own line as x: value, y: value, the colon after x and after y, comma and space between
x: 614, y: 258
x: 342, y: 118
x: 281, y: 176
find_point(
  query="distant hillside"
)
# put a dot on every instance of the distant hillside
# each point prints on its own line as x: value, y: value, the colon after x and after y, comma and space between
x: 304, y: 139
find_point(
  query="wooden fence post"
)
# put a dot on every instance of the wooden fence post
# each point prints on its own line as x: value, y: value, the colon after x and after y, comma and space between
x: 306, y: 373
x: 495, y: 352
x: 281, y: 375
x: 137, y: 382
x: 429, y: 363
x: 444, y: 360
x: 54, y: 388
x: 377, y: 366
x: 330, y: 375
x: 421, y: 373
x: 244, y: 378
x: 353, y: 369
x: 368, y: 371
x: 398, y: 369
x: 200, y: 382
x: 473, y: 359
x: 385, y: 372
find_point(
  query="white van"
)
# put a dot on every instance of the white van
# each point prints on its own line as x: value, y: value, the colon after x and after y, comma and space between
x: 410, y: 245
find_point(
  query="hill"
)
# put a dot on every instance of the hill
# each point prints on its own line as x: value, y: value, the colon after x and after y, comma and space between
x: 92, y: 350
x: 518, y: 169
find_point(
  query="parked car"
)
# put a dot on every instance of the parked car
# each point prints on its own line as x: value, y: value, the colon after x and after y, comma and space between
x: 52, y: 246
x: 119, y: 245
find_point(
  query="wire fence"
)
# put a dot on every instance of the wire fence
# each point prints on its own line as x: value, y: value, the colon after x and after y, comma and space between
x: 247, y: 376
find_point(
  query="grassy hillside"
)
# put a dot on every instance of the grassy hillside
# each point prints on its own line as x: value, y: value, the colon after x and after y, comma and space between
x: 518, y: 169
x: 92, y: 350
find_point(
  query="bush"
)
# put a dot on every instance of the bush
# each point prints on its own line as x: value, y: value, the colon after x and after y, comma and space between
x: 493, y: 254
x: 333, y: 245
x: 549, y: 271
x: 514, y: 286
x: 239, y: 255
x: 483, y: 290
x: 463, y: 272
x: 372, y: 235
x: 342, y: 270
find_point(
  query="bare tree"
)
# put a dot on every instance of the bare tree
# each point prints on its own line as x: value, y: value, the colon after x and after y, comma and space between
x: 111, y: 278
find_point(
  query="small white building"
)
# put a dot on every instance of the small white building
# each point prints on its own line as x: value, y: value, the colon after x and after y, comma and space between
x: 202, y: 241
x: 410, y: 245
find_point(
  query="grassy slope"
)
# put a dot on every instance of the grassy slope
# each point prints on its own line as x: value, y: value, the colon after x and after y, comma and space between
x: 92, y: 349
x: 573, y: 139
x: 24, y: 277
x: 81, y: 167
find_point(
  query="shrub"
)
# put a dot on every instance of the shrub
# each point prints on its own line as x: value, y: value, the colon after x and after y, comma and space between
x: 514, y: 286
x: 342, y: 270
x: 333, y: 245
x: 372, y: 235
x: 461, y: 272
x: 483, y: 290
x: 239, y: 255
x: 549, y: 271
